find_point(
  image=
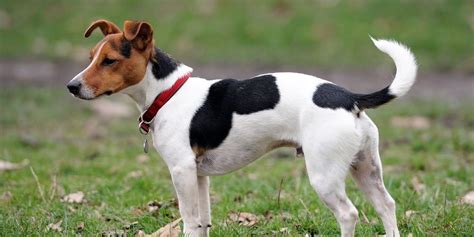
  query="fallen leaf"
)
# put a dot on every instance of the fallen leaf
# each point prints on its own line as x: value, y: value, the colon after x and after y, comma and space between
x: 9, y: 166
x: 111, y: 109
x: 417, y: 185
x: 416, y: 122
x: 153, y: 206
x: 142, y: 159
x: 6, y: 196
x: 244, y: 218
x: 409, y: 213
x: 77, y: 197
x: 80, y: 226
x: 55, y: 226
x: 410, y: 235
x: 170, y: 230
x: 468, y: 198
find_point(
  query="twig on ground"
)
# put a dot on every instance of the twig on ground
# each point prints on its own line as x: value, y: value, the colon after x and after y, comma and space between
x: 309, y: 213
x: 40, y: 189
x: 279, y: 193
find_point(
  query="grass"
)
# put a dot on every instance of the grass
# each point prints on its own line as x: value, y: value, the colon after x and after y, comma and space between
x: 322, y: 33
x: 55, y: 133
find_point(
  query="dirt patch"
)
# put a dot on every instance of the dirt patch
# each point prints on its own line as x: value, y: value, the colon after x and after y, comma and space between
x: 452, y: 86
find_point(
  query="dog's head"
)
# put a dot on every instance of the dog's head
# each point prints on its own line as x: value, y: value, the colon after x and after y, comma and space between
x: 118, y: 61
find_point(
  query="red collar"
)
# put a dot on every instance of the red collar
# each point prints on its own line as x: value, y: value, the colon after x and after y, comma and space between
x: 149, y: 114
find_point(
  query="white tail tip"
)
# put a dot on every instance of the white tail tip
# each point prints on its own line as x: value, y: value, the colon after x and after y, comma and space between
x: 404, y: 61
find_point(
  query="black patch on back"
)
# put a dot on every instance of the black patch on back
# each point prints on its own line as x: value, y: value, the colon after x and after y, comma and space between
x: 126, y: 48
x: 162, y: 64
x: 212, y: 122
x: 332, y: 96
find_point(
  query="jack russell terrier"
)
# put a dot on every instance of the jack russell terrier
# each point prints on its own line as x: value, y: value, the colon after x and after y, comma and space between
x: 206, y: 127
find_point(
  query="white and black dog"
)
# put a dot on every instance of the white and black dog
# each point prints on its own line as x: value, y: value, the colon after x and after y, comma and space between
x: 213, y: 127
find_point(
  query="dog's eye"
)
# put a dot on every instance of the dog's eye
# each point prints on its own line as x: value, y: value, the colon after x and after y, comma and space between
x: 108, y: 61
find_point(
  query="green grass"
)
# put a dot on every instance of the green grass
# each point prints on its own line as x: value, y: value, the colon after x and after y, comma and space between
x: 48, y: 128
x: 318, y: 33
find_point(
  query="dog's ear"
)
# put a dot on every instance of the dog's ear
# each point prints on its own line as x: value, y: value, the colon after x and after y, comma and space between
x: 105, y: 26
x: 139, y: 32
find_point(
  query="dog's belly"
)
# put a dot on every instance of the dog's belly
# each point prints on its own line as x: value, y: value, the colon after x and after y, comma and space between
x: 230, y: 158
x: 216, y: 162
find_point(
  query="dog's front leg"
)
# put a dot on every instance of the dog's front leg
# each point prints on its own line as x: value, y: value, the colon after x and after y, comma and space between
x: 204, y: 204
x: 185, y: 181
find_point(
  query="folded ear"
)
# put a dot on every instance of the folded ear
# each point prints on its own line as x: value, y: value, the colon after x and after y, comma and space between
x: 139, y: 32
x: 105, y: 26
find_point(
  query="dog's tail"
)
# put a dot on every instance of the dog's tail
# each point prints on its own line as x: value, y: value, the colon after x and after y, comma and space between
x: 404, y: 78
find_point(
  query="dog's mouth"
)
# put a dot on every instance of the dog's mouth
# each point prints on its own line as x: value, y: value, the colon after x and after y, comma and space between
x: 80, y: 96
x: 107, y: 93
x: 86, y: 97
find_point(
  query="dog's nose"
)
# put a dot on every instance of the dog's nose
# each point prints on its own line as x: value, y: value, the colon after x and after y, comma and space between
x: 74, y: 87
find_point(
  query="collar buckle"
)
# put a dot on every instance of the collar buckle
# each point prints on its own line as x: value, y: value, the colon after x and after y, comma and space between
x: 142, y: 129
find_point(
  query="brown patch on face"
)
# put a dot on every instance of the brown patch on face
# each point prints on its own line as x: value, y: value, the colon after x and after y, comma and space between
x: 111, y: 71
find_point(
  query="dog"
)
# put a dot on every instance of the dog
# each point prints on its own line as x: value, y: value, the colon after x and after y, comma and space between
x: 204, y: 127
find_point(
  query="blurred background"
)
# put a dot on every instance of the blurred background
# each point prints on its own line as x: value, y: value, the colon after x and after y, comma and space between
x: 52, y: 145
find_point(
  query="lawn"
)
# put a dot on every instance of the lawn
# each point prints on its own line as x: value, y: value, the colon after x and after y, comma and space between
x: 323, y: 33
x: 70, y: 148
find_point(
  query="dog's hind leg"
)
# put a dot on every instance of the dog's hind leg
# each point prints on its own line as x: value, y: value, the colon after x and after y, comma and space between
x: 327, y: 162
x: 204, y: 204
x: 367, y: 172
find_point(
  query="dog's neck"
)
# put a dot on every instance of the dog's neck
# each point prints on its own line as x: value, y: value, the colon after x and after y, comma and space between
x: 161, y: 73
